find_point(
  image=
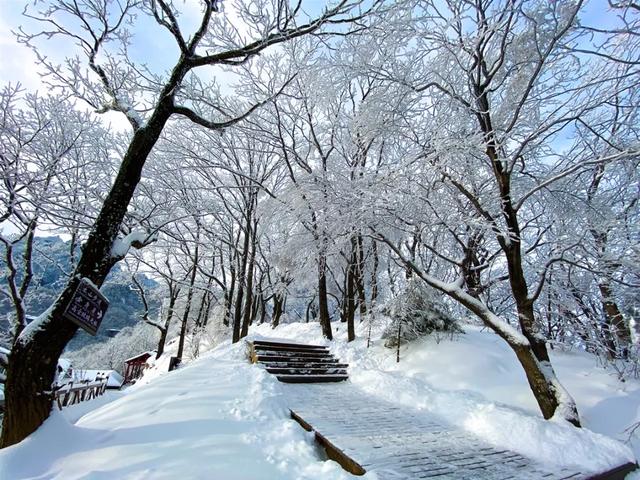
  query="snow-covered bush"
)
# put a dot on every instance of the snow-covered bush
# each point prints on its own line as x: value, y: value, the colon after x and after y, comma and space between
x: 416, y: 312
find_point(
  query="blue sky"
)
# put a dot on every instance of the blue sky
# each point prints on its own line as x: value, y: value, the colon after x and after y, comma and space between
x: 17, y: 63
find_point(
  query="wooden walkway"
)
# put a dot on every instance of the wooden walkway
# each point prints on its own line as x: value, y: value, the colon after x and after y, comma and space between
x: 364, y: 433
x: 398, y: 443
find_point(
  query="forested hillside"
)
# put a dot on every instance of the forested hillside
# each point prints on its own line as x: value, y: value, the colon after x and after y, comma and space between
x: 51, y: 266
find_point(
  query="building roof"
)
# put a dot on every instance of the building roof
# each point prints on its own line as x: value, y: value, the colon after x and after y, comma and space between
x: 140, y: 357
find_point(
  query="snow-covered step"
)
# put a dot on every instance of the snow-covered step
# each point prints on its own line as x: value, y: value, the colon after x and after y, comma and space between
x: 298, y: 363
x: 290, y: 345
x: 298, y: 348
x: 291, y: 358
x: 285, y: 353
x: 306, y: 371
x: 308, y: 378
x: 304, y: 365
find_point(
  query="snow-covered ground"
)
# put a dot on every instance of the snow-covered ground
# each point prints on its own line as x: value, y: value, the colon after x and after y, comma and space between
x: 219, y: 417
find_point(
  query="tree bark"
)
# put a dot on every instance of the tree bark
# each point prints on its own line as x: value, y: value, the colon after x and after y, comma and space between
x: 374, y: 274
x: 278, y: 309
x: 359, y: 278
x: 237, y: 317
x: 249, y: 300
x: 323, y: 302
x: 34, y: 356
x: 192, y: 281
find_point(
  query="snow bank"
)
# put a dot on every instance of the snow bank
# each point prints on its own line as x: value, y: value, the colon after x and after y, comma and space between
x: 476, y: 383
x: 218, y: 417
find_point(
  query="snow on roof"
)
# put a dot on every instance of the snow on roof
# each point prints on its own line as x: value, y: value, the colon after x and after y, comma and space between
x: 115, y: 379
x: 144, y: 355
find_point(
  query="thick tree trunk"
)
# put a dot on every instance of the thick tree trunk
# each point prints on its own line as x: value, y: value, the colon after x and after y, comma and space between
x: 534, y: 358
x: 278, y: 304
x: 617, y: 328
x: 161, y: 343
x: 173, y: 296
x: 249, y: 300
x: 192, y: 282
x: 35, y: 354
x: 323, y: 302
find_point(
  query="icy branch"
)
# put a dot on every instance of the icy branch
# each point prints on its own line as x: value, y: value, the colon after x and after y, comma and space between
x: 455, y: 291
x: 136, y: 239
x: 571, y: 170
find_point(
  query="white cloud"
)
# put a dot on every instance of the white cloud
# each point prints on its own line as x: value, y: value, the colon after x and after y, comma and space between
x: 17, y: 62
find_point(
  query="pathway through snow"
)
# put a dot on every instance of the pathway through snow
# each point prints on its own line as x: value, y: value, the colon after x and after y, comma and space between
x: 221, y: 418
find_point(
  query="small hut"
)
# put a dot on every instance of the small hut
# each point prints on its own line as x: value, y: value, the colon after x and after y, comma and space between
x: 134, y: 366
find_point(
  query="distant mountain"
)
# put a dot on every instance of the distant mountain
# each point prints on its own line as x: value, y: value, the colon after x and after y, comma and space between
x: 51, y: 264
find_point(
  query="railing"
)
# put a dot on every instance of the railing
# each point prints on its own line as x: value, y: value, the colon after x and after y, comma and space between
x: 76, y: 392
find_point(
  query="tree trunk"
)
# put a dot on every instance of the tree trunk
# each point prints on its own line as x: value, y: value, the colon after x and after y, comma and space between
x: 471, y: 264
x: 33, y: 364
x: 173, y: 296
x: 263, y: 309
x: 249, y: 300
x: 349, y: 303
x: 617, y: 328
x: 161, y: 343
x: 278, y: 304
x: 359, y: 278
x: 323, y: 302
x: 374, y: 274
x: 203, y: 309
x: 542, y: 379
x: 237, y: 317
x: 192, y: 281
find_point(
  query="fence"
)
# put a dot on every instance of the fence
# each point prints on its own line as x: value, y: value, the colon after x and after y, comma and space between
x: 76, y: 392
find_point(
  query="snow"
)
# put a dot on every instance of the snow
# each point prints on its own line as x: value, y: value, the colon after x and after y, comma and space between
x: 148, y: 354
x: 35, y: 325
x: 115, y: 379
x: 217, y: 417
x: 221, y: 417
x: 476, y: 383
x: 121, y: 246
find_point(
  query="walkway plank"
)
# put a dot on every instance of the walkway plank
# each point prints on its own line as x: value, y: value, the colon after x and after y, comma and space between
x: 404, y: 443
x: 364, y: 433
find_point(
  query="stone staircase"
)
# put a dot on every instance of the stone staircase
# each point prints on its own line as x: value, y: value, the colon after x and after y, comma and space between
x: 297, y: 363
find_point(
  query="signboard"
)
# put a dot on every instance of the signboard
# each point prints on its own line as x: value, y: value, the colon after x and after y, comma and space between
x: 87, y: 307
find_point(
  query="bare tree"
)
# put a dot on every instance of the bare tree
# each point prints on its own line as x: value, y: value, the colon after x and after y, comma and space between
x: 111, y: 81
